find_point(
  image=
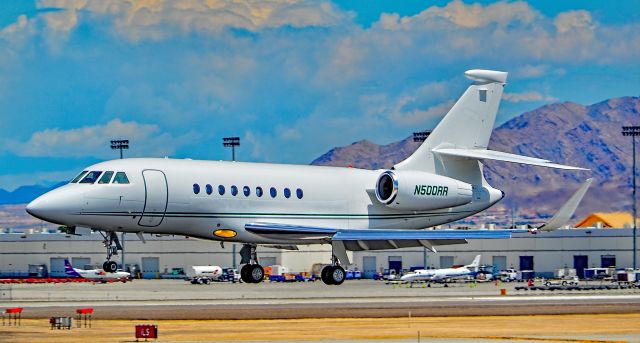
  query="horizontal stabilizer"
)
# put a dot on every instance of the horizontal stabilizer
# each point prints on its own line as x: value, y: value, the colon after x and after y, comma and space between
x: 484, y: 154
x: 561, y: 218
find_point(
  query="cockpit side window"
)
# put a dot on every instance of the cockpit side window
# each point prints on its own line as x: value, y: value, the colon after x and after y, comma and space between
x: 106, y: 177
x: 121, y: 177
x: 91, y: 177
x: 77, y: 178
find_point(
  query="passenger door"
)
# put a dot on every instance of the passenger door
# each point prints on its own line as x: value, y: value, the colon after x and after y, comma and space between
x: 156, y: 197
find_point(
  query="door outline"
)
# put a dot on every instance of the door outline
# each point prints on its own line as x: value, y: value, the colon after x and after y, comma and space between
x: 144, y: 209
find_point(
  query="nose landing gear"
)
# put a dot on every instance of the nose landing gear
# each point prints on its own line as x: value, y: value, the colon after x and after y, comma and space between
x: 112, y: 244
x: 252, y: 271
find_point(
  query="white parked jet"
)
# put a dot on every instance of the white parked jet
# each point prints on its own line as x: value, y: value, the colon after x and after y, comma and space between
x: 287, y: 205
x: 95, y: 274
x: 444, y: 274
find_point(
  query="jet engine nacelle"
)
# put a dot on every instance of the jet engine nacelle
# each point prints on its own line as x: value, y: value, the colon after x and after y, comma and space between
x: 418, y: 191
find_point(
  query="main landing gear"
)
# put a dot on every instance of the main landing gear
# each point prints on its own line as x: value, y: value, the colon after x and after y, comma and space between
x: 112, y: 244
x: 333, y: 274
x: 251, y: 272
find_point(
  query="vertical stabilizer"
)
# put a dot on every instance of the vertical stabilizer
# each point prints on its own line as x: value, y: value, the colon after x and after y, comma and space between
x: 475, y: 264
x: 467, y: 125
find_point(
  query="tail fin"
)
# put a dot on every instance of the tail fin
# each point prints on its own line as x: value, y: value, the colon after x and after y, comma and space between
x: 459, y: 142
x: 69, y: 270
x: 468, y: 125
x: 476, y: 262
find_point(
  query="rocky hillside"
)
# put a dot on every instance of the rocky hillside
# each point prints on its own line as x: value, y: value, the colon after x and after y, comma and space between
x: 568, y: 133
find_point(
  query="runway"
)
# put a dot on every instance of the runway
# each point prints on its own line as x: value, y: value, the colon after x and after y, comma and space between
x: 177, y: 299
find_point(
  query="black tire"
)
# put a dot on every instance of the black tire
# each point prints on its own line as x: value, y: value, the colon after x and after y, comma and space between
x: 337, y: 275
x: 244, y: 273
x: 110, y: 266
x: 256, y: 273
x: 324, y: 275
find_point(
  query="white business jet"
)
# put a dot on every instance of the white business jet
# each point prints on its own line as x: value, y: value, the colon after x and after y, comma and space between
x: 288, y: 205
x: 444, y: 274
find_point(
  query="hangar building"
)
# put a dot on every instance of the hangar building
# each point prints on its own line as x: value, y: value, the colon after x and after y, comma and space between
x: 542, y: 252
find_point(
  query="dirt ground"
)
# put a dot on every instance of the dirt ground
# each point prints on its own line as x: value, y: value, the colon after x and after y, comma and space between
x: 568, y: 328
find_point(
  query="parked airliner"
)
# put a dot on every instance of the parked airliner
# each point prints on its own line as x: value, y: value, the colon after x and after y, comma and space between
x: 444, y: 274
x: 95, y: 274
x: 288, y: 205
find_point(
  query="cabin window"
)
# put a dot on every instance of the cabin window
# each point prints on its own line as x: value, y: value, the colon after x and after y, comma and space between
x: 273, y: 192
x: 246, y: 190
x: 121, y: 177
x: 106, y: 177
x: 91, y: 177
x: 221, y: 190
x: 234, y: 190
x: 209, y: 189
x: 77, y: 178
x: 287, y: 193
x: 259, y: 192
x: 196, y: 188
x: 299, y: 193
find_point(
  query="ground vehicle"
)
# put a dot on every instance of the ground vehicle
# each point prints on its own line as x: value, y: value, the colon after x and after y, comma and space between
x: 508, y: 275
x: 573, y: 281
x: 203, y: 274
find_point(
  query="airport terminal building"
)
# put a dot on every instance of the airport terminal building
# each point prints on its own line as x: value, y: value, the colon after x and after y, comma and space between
x: 541, y: 252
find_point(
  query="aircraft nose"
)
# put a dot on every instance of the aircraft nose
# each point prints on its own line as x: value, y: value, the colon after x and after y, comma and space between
x: 39, y: 207
x: 50, y: 206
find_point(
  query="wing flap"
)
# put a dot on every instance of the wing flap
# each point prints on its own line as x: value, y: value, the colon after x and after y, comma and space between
x: 360, y: 239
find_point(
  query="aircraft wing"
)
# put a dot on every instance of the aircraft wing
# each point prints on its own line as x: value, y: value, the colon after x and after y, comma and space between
x: 360, y: 239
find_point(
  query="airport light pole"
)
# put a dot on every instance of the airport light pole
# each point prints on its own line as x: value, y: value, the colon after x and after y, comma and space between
x: 120, y: 144
x: 421, y: 136
x: 633, y: 132
x: 232, y: 142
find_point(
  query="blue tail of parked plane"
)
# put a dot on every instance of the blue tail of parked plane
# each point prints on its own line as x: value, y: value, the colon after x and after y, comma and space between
x: 68, y: 269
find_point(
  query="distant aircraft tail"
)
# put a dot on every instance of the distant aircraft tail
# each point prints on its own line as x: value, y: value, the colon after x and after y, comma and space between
x: 475, y: 264
x: 458, y: 144
x: 68, y: 269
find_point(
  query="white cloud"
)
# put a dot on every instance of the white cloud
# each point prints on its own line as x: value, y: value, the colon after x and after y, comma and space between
x: 527, y: 96
x: 94, y: 141
x: 574, y: 21
x: 153, y: 19
x: 414, y: 117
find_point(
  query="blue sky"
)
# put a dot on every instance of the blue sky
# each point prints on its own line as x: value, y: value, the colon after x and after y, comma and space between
x: 292, y: 78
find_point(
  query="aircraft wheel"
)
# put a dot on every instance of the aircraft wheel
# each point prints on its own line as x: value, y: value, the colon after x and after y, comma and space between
x: 256, y: 273
x: 324, y: 275
x: 337, y: 275
x: 110, y: 266
x: 244, y: 273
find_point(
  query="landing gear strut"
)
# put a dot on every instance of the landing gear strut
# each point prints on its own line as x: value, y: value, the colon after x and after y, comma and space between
x: 251, y: 272
x: 333, y: 274
x: 112, y: 244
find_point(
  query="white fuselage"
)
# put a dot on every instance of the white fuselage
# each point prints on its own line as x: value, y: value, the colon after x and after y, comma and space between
x: 437, y: 274
x: 101, y: 275
x: 160, y: 198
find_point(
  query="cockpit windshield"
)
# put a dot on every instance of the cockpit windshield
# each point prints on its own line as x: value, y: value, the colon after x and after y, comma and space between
x: 120, y: 177
x: 91, y: 177
x: 106, y: 177
x: 77, y: 178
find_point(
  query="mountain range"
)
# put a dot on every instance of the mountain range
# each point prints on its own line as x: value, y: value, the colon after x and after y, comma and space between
x: 566, y: 133
x: 25, y: 194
